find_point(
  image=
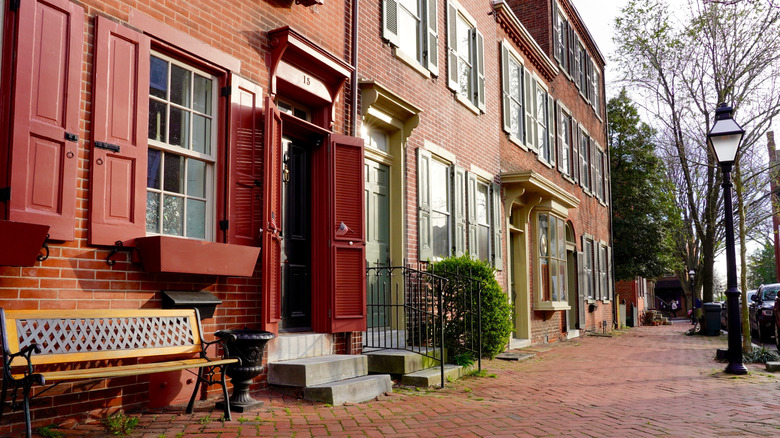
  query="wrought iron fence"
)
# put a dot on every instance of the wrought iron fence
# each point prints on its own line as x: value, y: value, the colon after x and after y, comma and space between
x: 416, y: 310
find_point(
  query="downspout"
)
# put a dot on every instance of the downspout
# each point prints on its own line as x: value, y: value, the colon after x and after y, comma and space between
x: 354, y: 81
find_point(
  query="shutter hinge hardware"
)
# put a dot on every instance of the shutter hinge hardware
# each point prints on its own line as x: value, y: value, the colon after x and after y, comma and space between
x: 330, y: 313
x: 14, y: 5
x: 225, y: 91
x: 224, y: 224
x: 107, y: 146
x: 71, y: 137
x: 5, y: 194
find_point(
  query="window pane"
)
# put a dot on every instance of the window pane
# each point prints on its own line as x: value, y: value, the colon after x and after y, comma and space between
x: 196, y: 178
x: 174, y: 174
x: 441, y: 235
x: 483, y: 238
x: 545, y: 277
x: 439, y: 187
x: 158, y: 78
x: 180, y: 128
x: 561, y: 240
x: 562, y: 280
x: 481, y: 201
x: 543, y: 229
x: 554, y: 279
x: 514, y: 80
x: 158, y: 120
x: 173, y: 215
x: 515, y: 114
x: 196, y: 219
x: 201, y: 101
x: 201, y: 134
x: 153, y: 212
x: 154, y: 157
x: 180, y: 86
x: 553, y: 237
x: 407, y: 31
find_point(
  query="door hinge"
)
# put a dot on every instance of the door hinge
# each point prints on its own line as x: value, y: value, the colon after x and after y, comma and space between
x: 224, y: 224
x: 71, y: 137
x: 14, y: 5
x: 5, y: 194
x: 225, y: 92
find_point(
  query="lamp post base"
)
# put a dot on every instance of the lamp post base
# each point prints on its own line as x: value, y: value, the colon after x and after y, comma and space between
x: 736, y: 368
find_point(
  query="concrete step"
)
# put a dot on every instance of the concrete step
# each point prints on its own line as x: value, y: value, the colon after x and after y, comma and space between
x: 432, y: 376
x: 312, y: 371
x: 290, y: 346
x: 355, y: 390
x: 399, y: 361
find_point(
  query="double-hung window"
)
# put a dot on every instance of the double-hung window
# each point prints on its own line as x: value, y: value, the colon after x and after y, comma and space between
x: 565, y: 138
x: 561, y: 40
x: 440, y: 207
x: 545, y: 119
x: 465, y: 60
x: 585, y: 154
x: 595, y: 87
x: 411, y: 26
x: 587, y: 249
x: 512, y: 91
x: 181, y: 155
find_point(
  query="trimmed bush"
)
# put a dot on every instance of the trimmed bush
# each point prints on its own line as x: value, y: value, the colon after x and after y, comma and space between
x: 461, y: 329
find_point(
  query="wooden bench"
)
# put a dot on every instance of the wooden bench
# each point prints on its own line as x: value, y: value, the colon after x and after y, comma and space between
x: 48, y: 347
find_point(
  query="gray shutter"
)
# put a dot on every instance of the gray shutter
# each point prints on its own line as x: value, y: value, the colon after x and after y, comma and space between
x: 498, y: 221
x: 479, y: 67
x: 459, y: 210
x: 610, y: 284
x: 575, y: 148
x: 471, y: 190
x: 559, y: 137
x: 607, y: 181
x: 424, y: 226
x: 584, y: 154
x: 556, y: 55
x: 529, y: 97
x: 589, y: 79
x: 578, y: 66
x: 597, y: 292
x: 452, y: 58
x: 581, y: 290
x: 390, y: 21
x: 432, y: 44
x: 505, y: 101
x: 593, y: 172
x: 551, y: 125
x: 572, y: 49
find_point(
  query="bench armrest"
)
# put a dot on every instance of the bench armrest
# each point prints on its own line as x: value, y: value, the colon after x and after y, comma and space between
x: 29, y: 372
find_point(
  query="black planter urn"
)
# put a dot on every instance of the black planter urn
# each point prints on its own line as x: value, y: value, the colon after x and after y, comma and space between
x: 248, y: 346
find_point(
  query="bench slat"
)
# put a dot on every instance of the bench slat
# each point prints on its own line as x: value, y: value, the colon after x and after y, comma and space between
x: 130, y: 370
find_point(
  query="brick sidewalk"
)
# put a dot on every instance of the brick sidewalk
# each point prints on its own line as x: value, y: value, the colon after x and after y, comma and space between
x: 647, y: 381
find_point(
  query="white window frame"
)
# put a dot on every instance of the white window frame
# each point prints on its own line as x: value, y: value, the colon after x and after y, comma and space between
x: 447, y: 212
x: 188, y: 154
x: 558, y: 299
x: 510, y: 59
x: 585, y: 172
x: 425, y: 58
x: 566, y: 141
x: 473, y: 96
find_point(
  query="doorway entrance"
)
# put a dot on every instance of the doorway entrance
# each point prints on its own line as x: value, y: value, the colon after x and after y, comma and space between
x: 377, y: 239
x: 296, y: 236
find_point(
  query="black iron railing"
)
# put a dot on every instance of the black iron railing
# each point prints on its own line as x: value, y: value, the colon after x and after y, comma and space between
x: 415, y: 310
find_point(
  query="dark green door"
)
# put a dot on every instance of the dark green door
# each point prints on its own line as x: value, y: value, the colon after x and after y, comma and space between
x: 377, y: 240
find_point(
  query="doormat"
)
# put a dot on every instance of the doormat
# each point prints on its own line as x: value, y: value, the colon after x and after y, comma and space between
x: 515, y: 356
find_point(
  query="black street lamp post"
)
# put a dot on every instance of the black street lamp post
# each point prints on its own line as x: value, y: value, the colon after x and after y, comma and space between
x: 691, y: 275
x: 724, y: 139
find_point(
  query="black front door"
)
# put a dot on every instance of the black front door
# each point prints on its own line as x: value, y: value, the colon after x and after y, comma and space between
x: 296, y: 243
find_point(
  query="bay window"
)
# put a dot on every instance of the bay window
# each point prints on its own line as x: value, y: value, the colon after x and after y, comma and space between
x: 551, y: 259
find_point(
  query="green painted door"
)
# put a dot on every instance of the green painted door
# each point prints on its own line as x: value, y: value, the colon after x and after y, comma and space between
x: 377, y: 240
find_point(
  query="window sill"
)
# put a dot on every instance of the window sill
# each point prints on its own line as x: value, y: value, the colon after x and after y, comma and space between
x: 517, y: 141
x: 551, y: 305
x: 467, y: 103
x: 411, y: 62
x: 189, y: 256
x: 22, y: 242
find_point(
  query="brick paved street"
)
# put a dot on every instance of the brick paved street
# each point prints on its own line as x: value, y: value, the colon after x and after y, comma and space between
x: 648, y: 381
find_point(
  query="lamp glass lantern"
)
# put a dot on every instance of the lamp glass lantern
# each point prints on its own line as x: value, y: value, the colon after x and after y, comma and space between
x: 726, y: 135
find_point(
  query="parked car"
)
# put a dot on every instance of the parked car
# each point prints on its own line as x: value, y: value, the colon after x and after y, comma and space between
x: 724, y: 314
x: 761, y: 308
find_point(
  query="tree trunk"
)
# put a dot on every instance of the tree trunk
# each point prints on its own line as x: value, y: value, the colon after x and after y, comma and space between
x: 747, y: 345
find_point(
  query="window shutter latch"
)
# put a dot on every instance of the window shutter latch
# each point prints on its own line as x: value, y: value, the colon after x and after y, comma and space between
x: 5, y: 194
x: 224, y: 224
x: 107, y: 146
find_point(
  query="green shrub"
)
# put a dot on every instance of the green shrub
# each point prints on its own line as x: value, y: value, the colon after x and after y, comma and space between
x: 496, y: 310
x: 119, y: 424
x: 760, y: 355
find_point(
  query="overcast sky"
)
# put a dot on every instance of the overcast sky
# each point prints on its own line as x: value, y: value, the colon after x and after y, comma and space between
x: 599, y: 17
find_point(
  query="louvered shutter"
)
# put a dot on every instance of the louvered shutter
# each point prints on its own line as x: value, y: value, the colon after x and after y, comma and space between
x: 272, y: 223
x: 459, y: 216
x: 390, y: 21
x: 529, y: 97
x: 348, y: 251
x: 584, y: 165
x: 607, y: 181
x: 551, y: 125
x: 245, y: 208
x: 120, y: 115
x: 559, y: 120
x: 506, y: 105
x: 572, y: 49
x: 452, y: 42
x: 480, y: 69
x: 589, y: 79
x: 432, y: 44
x: 556, y: 29
x: 609, y: 268
x: 575, y: 155
x: 581, y: 290
x: 471, y: 207
x: 424, y: 225
x: 593, y: 169
x: 498, y: 221
x: 597, y: 292
x: 45, y: 119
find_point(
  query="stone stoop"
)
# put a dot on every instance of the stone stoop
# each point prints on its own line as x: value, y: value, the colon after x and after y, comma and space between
x: 410, y: 368
x: 335, y: 379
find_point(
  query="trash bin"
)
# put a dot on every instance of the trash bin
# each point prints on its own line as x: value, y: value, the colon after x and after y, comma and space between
x: 711, y: 326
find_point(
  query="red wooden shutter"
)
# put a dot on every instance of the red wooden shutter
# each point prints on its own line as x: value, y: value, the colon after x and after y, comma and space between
x: 45, y: 122
x: 245, y: 208
x: 120, y: 114
x: 347, y: 218
x: 272, y: 197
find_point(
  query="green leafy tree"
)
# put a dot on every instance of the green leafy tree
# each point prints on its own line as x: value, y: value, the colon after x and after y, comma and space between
x: 644, y: 212
x: 761, y: 266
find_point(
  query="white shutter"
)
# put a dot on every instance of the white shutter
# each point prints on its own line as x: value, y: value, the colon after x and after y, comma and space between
x: 452, y: 57
x: 432, y: 43
x: 390, y: 21
x: 529, y: 97
x: 551, y: 127
x: 471, y: 190
x: 424, y: 225
x: 506, y: 104
x: 556, y: 55
x: 498, y: 221
x: 459, y: 209
x: 479, y: 68
x: 581, y: 289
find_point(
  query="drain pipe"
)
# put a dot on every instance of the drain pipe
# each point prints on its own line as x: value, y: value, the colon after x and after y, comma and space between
x: 353, y: 127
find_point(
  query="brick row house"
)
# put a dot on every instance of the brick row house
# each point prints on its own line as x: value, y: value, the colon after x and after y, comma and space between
x: 266, y: 153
